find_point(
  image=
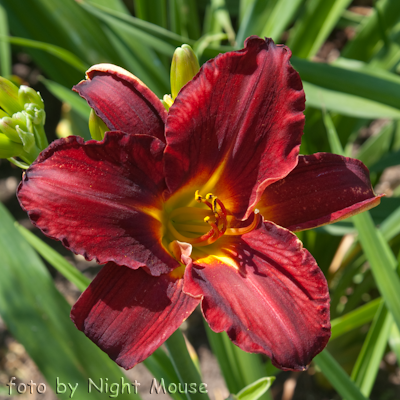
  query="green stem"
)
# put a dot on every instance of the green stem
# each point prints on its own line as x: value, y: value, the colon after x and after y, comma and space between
x: 184, y: 366
x: 40, y: 137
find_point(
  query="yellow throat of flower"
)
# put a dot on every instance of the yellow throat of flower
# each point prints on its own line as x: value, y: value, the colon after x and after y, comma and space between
x: 202, y: 226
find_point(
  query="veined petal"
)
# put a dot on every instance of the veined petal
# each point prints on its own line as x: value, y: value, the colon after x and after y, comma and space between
x: 236, y: 127
x: 122, y: 101
x: 322, y: 189
x: 101, y: 199
x: 129, y: 313
x: 267, y: 293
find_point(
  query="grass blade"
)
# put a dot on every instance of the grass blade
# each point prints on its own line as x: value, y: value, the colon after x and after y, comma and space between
x: 367, y: 365
x: 355, y: 319
x: 38, y: 317
x: 184, y: 366
x: 382, y: 261
x: 5, y: 51
x: 338, y: 377
x: 68, y: 96
x: 55, y: 259
x: 313, y: 28
x: 346, y: 104
x: 56, y: 51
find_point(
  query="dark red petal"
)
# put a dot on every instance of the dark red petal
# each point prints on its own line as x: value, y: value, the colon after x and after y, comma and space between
x: 322, y: 189
x: 122, y: 101
x: 101, y: 199
x: 236, y: 127
x: 267, y: 293
x: 129, y: 313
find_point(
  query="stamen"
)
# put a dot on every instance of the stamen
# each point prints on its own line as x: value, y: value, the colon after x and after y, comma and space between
x: 245, y: 229
x: 185, y: 221
x: 190, y: 240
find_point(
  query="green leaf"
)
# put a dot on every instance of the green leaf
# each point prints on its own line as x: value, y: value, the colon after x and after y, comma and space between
x: 68, y: 96
x: 333, y: 138
x: 256, y: 389
x: 387, y: 160
x: 367, y: 365
x: 161, y: 367
x: 369, y: 38
x: 382, y: 262
x: 372, y: 150
x: 55, y: 259
x: 56, y: 51
x: 355, y: 318
x: 226, y: 359
x: 154, y: 11
x: 238, y: 367
x: 280, y: 18
x: 394, y: 341
x: 380, y: 88
x: 314, y: 26
x: 55, y: 18
x: 157, y: 38
x: 222, y: 16
x: 338, y: 377
x: 254, y: 19
x: 38, y: 317
x: 5, y: 50
x: 184, y: 366
x: 152, y: 35
x: 346, y: 104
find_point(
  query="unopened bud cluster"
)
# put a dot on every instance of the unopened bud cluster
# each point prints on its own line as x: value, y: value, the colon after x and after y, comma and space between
x: 22, y: 118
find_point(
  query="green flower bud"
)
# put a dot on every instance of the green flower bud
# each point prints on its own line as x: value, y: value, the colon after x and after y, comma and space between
x: 167, y: 101
x: 36, y: 115
x: 27, y: 95
x: 8, y: 126
x: 8, y: 148
x: 97, y: 127
x: 9, y: 100
x: 27, y: 139
x: 185, y: 66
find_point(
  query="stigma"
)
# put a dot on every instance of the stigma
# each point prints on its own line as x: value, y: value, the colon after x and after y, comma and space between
x: 202, y: 226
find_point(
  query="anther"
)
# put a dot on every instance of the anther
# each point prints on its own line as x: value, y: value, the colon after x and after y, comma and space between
x: 197, y: 196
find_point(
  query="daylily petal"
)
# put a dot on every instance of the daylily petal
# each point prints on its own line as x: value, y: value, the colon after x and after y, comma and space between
x: 129, y: 314
x: 322, y: 189
x: 122, y: 101
x: 267, y: 293
x: 236, y: 127
x: 101, y: 199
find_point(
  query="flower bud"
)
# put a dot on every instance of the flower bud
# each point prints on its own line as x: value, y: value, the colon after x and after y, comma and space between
x: 97, y: 127
x: 8, y: 148
x: 167, y: 101
x: 9, y: 100
x: 27, y: 95
x: 8, y: 126
x: 185, y: 66
x: 36, y: 115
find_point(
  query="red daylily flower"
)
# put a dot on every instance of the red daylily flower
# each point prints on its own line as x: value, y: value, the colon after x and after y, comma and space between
x: 195, y: 206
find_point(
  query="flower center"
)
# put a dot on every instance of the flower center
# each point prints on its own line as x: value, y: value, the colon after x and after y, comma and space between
x: 203, y: 226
